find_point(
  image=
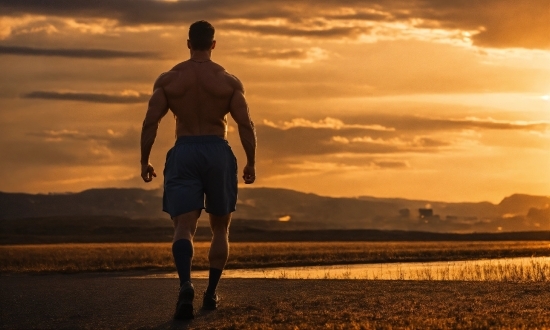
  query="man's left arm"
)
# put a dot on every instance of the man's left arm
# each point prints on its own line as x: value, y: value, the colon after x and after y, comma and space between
x: 158, y: 107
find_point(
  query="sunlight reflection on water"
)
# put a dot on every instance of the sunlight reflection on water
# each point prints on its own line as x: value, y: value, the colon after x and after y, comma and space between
x: 512, y: 269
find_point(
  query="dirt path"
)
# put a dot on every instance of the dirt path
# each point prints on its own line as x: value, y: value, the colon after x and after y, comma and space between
x: 119, y: 301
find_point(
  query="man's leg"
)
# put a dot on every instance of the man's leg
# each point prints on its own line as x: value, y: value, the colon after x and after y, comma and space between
x: 185, y: 226
x: 217, y: 256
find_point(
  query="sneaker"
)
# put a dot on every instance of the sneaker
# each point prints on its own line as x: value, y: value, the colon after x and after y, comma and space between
x: 210, y: 302
x: 184, y: 306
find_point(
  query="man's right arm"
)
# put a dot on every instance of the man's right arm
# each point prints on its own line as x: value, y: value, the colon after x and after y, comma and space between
x: 158, y: 107
x: 247, y: 132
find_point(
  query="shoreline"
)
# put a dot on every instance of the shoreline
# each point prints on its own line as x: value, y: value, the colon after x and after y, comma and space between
x: 110, y: 257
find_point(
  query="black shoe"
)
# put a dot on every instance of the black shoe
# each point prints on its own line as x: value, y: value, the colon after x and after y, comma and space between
x: 210, y: 302
x: 184, y: 306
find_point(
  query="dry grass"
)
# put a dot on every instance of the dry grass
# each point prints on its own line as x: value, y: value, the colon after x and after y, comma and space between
x: 321, y: 304
x: 101, y: 301
x: 532, y: 271
x: 127, y: 256
x: 502, y: 270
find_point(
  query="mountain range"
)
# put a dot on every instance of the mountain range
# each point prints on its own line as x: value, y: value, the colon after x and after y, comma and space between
x: 295, y: 209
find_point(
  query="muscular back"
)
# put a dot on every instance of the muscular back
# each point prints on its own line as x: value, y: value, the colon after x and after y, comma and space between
x: 199, y: 94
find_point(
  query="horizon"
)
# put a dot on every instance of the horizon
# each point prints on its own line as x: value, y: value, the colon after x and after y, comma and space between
x: 282, y: 188
x: 422, y: 99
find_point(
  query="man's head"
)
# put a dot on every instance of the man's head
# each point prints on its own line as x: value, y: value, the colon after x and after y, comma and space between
x: 201, y: 36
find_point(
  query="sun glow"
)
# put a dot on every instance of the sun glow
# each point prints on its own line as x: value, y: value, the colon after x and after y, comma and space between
x: 284, y: 218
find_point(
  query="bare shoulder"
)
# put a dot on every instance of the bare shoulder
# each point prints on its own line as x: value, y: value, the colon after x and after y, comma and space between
x: 235, y: 83
x: 230, y: 79
x: 167, y: 77
x: 164, y: 79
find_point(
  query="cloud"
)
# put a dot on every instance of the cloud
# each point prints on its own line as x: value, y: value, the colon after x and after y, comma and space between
x: 285, y: 57
x: 418, y: 142
x: 328, y: 122
x: 391, y: 164
x: 125, y: 97
x: 302, y: 142
x: 297, y: 31
x: 316, y: 167
x: 59, y: 135
x: 491, y: 23
x: 491, y: 123
x: 415, y: 123
x: 428, y: 125
x: 499, y: 23
x: 75, y: 53
x: 299, y: 137
x: 121, y: 141
x: 71, y: 147
x: 31, y: 153
x: 274, y: 54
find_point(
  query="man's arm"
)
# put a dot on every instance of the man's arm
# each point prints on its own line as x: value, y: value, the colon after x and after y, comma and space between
x: 158, y: 107
x: 247, y: 133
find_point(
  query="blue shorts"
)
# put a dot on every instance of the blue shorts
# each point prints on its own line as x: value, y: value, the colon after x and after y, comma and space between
x: 200, y: 170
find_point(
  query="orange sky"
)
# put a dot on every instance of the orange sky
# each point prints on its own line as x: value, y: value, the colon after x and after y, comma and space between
x: 440, y: 100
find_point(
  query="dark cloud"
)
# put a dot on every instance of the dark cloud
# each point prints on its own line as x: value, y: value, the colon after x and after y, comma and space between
x: 60, y: 135
x: 128, y: 140
x: 391, y: 164
x: 75, y: 53
x: 496, y: 124
x: 72, y: 147
x: 411, y: 134
x: 431, y: 124
x: 88, y: 97
x: 364, y: 16
x: 505, y: 23
x: 420, y: 124
x: 500, y: 23
x: 274, y: 54
x: 327, y: 32
x: 30, y: 153
x: 127, y: 12
x: 306, y: 141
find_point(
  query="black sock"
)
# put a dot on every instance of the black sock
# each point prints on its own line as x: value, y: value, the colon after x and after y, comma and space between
x: 182, y: 250
x: 213, y: 279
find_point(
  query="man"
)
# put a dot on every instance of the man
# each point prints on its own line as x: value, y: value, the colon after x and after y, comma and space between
x: 201, y: 168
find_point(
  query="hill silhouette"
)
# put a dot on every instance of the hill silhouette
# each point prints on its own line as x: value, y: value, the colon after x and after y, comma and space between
x: 299, y: 210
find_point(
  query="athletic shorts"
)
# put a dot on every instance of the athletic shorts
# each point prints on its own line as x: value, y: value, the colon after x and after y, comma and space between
x: 200, y: 170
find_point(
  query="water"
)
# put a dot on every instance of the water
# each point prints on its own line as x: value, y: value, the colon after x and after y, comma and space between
x: 515, y: 269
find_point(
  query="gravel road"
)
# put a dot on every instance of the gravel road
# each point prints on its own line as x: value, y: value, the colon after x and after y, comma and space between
x: 128, y: 301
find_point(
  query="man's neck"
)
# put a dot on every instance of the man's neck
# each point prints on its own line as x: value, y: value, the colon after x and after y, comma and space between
x: 200, y: 56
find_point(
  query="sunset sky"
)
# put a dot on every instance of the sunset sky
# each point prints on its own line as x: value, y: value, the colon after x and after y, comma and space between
x: 421, y: 99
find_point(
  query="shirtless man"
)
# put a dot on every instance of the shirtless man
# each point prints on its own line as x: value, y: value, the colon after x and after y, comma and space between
x: 201, y: 167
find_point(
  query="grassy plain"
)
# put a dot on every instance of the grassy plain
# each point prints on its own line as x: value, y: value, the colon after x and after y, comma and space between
x: 325, y: 304
x: 91, y: 257
x: 110, y: 301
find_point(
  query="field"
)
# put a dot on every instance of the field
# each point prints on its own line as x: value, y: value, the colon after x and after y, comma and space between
x: 493, y: 297
x: 90, y: 257
x: 109, y: 301
x: 365, y: 305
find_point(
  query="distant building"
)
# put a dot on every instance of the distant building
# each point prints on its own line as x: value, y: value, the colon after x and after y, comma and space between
x: 405, y: 213
x: 425, y: 213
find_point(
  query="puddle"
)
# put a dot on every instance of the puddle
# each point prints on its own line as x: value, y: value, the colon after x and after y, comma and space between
x: 512, y: 269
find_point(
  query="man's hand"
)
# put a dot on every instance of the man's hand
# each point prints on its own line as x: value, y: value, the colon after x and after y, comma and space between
x: 148, y: 172
x: 249, y: 174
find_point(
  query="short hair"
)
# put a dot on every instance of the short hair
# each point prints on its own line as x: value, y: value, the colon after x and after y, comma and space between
x: 201, y: 35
